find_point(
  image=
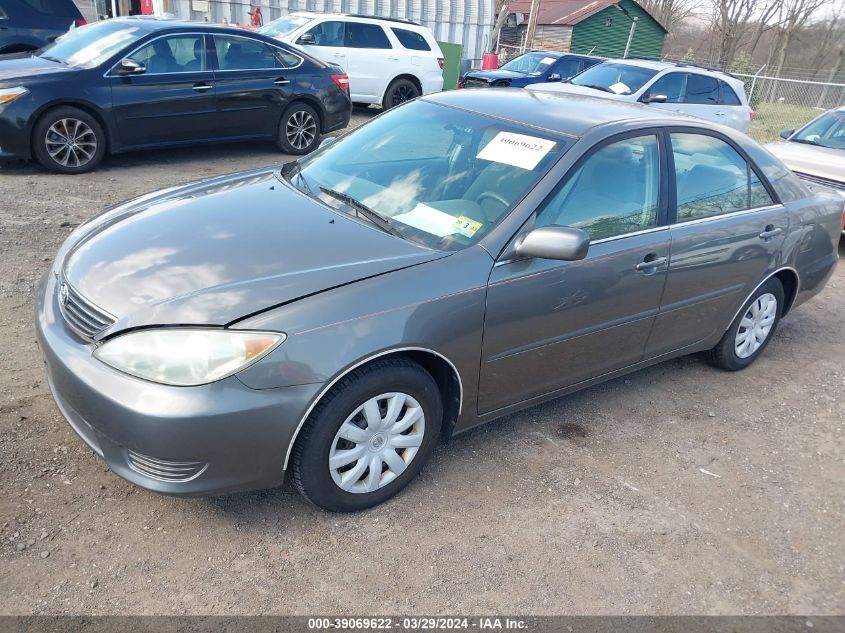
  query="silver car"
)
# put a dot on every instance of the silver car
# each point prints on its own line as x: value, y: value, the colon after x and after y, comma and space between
x: 816, y: 152
x: 456, y: 259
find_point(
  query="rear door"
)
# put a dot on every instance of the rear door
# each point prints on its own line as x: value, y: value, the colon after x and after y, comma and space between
x: 173, y: 100
x: 254, y: 82
x: 551, y: 324
x: 371, y: 61
x: 726, y: 233
x: 702, y: 98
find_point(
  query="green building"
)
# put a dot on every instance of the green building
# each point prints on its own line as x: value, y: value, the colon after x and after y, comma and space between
x: 600, y: 27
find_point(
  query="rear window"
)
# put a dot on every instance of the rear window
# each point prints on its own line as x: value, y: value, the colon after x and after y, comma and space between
x: 728, y: 95
x: 411, y: 39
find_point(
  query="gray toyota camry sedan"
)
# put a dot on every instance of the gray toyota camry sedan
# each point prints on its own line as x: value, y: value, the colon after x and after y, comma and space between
x: 454, y: 260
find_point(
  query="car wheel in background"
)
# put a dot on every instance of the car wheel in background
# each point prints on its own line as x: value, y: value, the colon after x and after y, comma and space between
x: 752, y: 329
x: 398, y: 92
x: 68, y: 140
x: 299, y: 130
x: 368, y: 437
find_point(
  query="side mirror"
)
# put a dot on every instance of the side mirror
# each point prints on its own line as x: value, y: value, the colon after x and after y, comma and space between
x: 130, y: 66
x: 554, y: 242
x: 656, y: 98
x: 554, y: 77
x: 307, y: 39
x: 327, y: 141
x: 785, y: 134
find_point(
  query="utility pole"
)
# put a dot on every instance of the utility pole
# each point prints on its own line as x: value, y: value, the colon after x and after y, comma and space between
x: 630, y: 36
x: 532, y: 24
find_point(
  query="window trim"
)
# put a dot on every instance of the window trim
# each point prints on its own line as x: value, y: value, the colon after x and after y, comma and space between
x: 672, y: 177
x: 216, y: 64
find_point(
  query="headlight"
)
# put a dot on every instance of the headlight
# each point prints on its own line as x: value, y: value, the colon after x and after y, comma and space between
x: 186, y: 356
x: 10, y: 94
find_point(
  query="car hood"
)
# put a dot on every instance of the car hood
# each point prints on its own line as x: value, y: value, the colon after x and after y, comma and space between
x: 215, y: 252
x: 20, y: 66
x: 823, y: 162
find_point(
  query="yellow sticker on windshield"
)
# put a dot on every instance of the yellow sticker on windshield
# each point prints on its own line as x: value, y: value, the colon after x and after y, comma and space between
x: 466, y: 227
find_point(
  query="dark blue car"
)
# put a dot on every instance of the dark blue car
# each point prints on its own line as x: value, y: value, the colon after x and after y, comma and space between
x: 529, y: 68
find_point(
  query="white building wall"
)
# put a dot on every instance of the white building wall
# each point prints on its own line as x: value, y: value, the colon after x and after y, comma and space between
x: 465, y: 22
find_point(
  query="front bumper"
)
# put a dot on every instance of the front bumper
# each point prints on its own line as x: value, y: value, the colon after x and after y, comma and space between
x: 146, y: 432
x: 15, y: 129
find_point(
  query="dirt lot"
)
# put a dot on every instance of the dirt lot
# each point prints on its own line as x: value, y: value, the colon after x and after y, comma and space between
x: 680, y: 489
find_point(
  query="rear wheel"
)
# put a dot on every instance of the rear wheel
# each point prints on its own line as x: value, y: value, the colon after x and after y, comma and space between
x: 368, y: 437
x: 398, y: 92
x: 299, y: 129
x: 68, y: 140
x: 752, y: 329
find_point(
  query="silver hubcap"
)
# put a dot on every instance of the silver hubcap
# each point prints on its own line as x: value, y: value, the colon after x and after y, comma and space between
x: 300, y: 129
x: 376, y: 442
x: 756, y: 325
x: 71, y: 142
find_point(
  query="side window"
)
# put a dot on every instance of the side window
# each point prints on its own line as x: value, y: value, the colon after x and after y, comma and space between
x: 411, y: 39
x: 728, y: 96
x: 240, y: 53
x: 702, y: 90
x: 287, y: 59
x: 711, y: 178
x: 177, y: 54
x: 630, y: 204
x: 566, y: 68
x: 360, y: 35
x: 671, y: 85
x: 328, y: 34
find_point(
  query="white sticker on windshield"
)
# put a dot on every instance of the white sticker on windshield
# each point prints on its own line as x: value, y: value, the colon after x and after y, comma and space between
x: 429, y: 220
x: 619, y: 88
x: 547, y: 60
x: 518, y: 150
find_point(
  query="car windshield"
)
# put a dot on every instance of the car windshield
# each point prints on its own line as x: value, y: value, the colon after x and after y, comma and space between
x: 826, y: 131
x: 284, y: 25
x: 91, y: 45
x: 531, y: 63
x: 429, y: 173
x: 621, y: 79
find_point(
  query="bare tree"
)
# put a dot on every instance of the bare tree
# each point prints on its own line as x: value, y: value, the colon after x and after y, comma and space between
x: 501, y: 12
x: 671, y: 12
x: 731, y: 19
x: 795, y: 14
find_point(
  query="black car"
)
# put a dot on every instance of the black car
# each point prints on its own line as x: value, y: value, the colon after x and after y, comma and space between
x: 530, y: 68
x: 26, y: 25
x: 136, y: 83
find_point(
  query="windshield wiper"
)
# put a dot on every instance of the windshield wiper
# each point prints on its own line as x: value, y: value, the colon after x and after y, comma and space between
x: 806, y: 142
x: 52, y: 59
x: 362, y: 210
x: 595, y: 87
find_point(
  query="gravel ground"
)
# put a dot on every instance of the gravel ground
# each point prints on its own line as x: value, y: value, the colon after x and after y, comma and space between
x: 680, y: 489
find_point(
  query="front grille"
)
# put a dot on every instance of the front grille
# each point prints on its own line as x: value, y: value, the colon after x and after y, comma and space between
x: 469, y: 82
x: 82, y: 315
x: 828, y: 182
x: 163, y: 469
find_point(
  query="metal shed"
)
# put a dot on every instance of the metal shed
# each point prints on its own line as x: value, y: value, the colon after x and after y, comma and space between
x: 465, y: 22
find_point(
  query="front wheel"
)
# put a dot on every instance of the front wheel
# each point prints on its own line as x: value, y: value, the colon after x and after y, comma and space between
x: 368, y: 437
x: 68, y: 140
x: 752, y: 329
x: 299, y: 129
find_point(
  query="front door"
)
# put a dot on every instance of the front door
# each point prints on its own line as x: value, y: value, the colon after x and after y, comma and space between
x: 725, y: 238
x: 326, y: 41
x: 551, y: 324
x: 173, y: 100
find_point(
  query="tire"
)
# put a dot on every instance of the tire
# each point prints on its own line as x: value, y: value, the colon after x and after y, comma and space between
x: 398, y: 92
x: 740, y: 347
x: 299, y: 129
x: 68, y: 140
x: 320, y: 438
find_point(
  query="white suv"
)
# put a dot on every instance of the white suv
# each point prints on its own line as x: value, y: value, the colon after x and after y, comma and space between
x: 700, y: 92
x: 388, y: 60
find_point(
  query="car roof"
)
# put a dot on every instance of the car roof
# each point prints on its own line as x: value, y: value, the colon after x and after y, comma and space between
x: 567, y: 114
x: 356, y: 16
x: 664, y: 64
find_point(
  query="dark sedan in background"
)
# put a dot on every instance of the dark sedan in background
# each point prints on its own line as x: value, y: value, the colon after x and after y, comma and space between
x: 27, y: 25
x: 136, y: 83
x: 530, y: 68
x: 336, y: 316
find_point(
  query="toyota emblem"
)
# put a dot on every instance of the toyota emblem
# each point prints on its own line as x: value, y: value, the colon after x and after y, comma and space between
x: 63, y: 294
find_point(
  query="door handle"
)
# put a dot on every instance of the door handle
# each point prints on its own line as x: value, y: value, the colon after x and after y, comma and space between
x: 201, y: 87
x: 720, y: 113
x: 281, y: 81
x: 650, y: 263
x: 769, y: 232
